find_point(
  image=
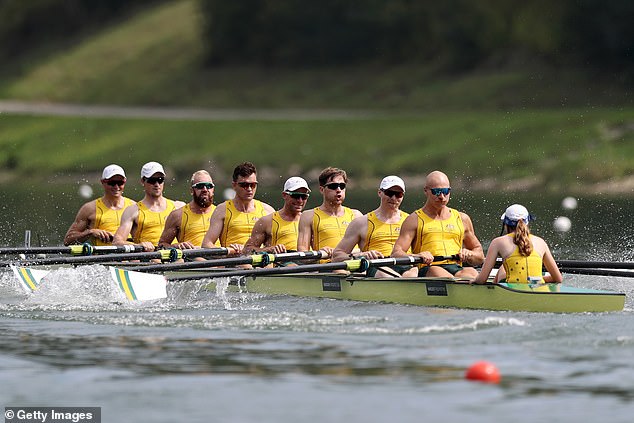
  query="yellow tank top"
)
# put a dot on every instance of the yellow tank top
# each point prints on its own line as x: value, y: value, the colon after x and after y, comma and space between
x: 194, y: 226
x: 329, y: 230
x: 519, y: 268
x: 381, y: 236
x: 151, y: 224
x: 439, y: 237
x: 238, y: 225
x: 108, y: 219
x: 284, y: 232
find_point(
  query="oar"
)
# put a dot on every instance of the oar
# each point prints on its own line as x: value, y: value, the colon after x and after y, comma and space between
x: 170, y: 254
x: 596, y: 264
x: 357, y: 265
x: 76, y: 250
x: 598, y: 272
x: 259, y: 260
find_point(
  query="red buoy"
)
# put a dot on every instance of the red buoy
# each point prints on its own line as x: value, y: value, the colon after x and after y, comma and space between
x: 483, y: 371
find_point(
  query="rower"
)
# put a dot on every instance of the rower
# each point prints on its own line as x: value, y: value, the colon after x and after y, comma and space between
x: 523, y: 254
x: 323, y: 227
x: 145, y: 219
x: 438, y: 230
x: 277, y: 232
x: 376, y: 232
x: 232, y: 221
x: 98, y: 220
x: 190, y: 223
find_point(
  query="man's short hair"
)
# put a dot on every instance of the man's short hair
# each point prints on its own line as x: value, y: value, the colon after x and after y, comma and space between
x: 245, y: 170
x: 329, y: 173
x: 198, y: 172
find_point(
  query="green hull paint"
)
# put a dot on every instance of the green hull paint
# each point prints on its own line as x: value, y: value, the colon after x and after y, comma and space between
x: 437, y: 292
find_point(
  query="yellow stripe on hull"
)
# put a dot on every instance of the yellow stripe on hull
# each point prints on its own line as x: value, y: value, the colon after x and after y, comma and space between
x: 123, y: 278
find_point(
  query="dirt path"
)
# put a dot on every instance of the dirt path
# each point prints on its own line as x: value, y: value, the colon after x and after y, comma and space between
x: 172, y: 113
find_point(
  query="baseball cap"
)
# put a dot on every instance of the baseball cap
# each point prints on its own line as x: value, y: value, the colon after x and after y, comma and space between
x: 392, y: 181
x: 294, y: 183
x: 150, y: 168
x: 514, y: 214
x: 111, y: 170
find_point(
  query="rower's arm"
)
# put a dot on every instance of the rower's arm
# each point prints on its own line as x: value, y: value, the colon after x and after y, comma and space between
x: 352, y: 237
x: 475, y: 253
x: 171, y: 229
x: 79, y: 230
x: 215, y: 226
x: 259, y: 237
x: 305, y: 231
x: 127, y: 225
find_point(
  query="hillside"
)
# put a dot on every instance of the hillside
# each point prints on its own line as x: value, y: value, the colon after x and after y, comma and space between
x: 516, y: 127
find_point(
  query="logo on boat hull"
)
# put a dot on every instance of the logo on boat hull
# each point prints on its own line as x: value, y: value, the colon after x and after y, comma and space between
x: 436, y: 289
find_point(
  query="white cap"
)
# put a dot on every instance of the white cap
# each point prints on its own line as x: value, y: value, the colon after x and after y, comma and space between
x: 514, y: 214
x: 294, y: 183
x: 150, y: 168
x: 111, y: 170
x: 392, y: 181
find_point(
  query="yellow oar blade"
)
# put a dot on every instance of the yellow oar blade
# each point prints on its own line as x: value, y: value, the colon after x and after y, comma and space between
x: 138, y: 286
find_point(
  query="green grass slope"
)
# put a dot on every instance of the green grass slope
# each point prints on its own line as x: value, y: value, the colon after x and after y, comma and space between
x: 523, y: 128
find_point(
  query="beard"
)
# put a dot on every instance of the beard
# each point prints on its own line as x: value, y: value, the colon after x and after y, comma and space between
x: 203, y: 201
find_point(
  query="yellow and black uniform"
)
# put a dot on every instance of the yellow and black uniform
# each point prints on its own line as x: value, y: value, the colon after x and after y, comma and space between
x: 439, y: 237
x: 381, y: 236
x: 329, y: 230
x: 520, y: 268
x: 151, y: 224
x: 108, y: 219
x: 238, y: 225
x: 194, y: 226
x: 284, y: 232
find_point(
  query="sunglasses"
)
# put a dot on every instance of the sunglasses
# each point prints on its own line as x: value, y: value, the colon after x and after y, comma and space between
x: 113, y: 183
x: 392, y: 193
x: 245, y: 185
x: 152, y: 181
x: 201, y: 185
x: 334, y: 185
x: 438, y: 191
x: 298, y: 195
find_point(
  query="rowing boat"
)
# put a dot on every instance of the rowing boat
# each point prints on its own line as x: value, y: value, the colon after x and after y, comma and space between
x: 436, y: 292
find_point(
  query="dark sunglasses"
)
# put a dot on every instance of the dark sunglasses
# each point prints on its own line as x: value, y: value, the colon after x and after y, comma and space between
x: 113, y: 183
x: 152, y: 181
x: 298, y: 195
x: 201, y: 185
x: 438, y: 191
x: 245, y: 185
x: 392, y: 193
x: 334, y: 185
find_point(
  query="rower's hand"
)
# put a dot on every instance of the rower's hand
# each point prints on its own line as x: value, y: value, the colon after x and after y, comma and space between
x: 466, y: 256
x: 185, y: 246
x: 326, y: 252
x: 426, y: 256
x: 371, y: 255
x: 102, y: 235
x: 279, y: 248
x: 147, y: 246
x: 237, y: 249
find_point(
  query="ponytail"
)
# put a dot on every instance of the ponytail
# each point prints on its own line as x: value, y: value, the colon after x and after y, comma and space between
x: 522, y: 238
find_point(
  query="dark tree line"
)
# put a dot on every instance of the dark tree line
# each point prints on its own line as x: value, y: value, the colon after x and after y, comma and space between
x: 458, y: 33
x: 455, y: 33
x: 28, y: 24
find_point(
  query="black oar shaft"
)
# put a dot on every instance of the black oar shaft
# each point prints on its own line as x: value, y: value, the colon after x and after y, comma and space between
x: 255, y: 260
x: 596, y: 264
x: 79, y: 249
x: 163, y: 255
x: 597, y: 272
x: 350, y: 265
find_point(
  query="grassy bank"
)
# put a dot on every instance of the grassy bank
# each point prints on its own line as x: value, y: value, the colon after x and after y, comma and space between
x: 486, y: 150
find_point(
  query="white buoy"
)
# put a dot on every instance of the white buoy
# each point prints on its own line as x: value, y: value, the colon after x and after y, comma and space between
x: 229, y: 194
x: 569, y: 203
x: 562, y: 224
x: 85, y: 191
